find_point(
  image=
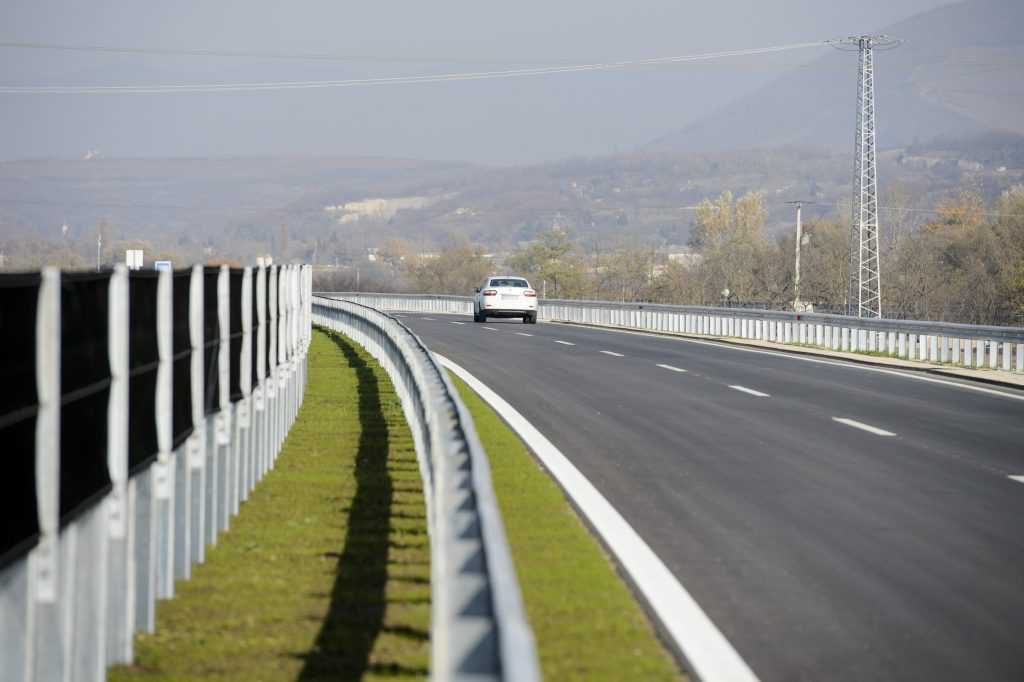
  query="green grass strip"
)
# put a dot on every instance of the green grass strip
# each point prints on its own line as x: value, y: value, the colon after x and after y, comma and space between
x: 586, y: 621
x: 325, y: 572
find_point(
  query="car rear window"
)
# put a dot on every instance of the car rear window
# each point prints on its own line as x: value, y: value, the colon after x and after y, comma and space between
x: 509, y: 283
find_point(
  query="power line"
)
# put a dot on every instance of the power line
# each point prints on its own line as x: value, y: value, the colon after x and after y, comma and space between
x: 928, y: 211
x: 397, y: 80
x: 314, y: 56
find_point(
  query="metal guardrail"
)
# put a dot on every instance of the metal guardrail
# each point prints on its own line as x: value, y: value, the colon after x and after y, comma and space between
x: 479, y: 629
x: 936, y: 342
x: 138, y: 411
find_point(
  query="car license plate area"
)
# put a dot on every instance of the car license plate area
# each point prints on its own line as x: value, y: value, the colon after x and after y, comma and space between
x: 510, y: 297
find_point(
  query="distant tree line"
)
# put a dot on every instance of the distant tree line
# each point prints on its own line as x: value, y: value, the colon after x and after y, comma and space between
x: 962, y: 261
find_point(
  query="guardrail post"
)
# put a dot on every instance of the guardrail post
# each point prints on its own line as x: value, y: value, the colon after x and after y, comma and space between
x: 197, y: 443
x: 260, y: 398
x: 271, y: 388
x: 1020, y: 357
x: 121, y: 513
x: 222, y: 418
x: 164, y: 467
x: 44, y: 629
x: 244, y: 423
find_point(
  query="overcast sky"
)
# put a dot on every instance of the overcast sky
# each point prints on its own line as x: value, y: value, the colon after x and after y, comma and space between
x: 417, y: 120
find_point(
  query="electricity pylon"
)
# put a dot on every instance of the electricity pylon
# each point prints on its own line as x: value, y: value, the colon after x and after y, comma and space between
x: 864, y: 228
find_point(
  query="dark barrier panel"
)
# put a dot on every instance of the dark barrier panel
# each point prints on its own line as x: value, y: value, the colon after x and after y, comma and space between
x: 181, y: 418
x: 254, y: 377
x: 85, y: 392
x: 143, y: 363
x: 211, y: 341
x: 235, y: 335
x: 19, y: 406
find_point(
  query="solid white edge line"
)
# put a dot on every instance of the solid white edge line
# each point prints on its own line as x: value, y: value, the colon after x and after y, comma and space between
x: 608, y: 352
x: 907, y: 373
x: 709, y: 654
x: 1019, y: 479
x: 863, y: 427
x: 744, y: 389
x: 674, y: 369
x: 564, y: 343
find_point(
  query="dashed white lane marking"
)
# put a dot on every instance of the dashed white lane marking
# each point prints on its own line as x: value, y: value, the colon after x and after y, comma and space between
x: 705, y: 648
x: 564, y: 343
x: 744, y: 389
x: 608, y: 352
x: 452, y: 322
x: 863, y: 427
x: 817, y: 360
x: 1019, y: 479
x: 491, y: 328
x: 523, y: 334
x: 396, y: 315
x: 430, y: 318
x: 674, y: 369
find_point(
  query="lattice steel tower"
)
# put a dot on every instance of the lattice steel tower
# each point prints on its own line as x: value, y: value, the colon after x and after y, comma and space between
x: 864, y: 253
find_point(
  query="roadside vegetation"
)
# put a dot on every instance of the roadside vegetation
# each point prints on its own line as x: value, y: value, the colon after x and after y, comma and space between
x: 960, y: 261
x: 325, y: 572
x: 586, y: 621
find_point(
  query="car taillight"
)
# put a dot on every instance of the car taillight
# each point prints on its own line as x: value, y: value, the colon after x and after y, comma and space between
x: 490, y: 292
x: 530, y: 294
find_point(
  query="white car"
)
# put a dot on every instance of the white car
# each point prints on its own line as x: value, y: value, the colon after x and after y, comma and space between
x: 507, y: 296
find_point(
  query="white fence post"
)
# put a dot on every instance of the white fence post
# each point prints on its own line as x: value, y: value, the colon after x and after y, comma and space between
x: 164, y: 467
x: 119, y: 582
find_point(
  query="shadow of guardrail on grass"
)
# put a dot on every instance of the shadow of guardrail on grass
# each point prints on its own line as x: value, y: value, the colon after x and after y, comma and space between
x: 359, y: 597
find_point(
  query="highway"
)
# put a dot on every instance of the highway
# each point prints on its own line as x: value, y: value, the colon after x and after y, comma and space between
x: 835, y: 521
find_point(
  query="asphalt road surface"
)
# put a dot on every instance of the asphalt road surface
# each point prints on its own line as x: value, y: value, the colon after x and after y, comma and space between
x: 836, y: 522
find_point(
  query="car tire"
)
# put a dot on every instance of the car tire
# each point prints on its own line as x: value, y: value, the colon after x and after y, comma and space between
x: 476, y: 315
x: 531, y: 319
x: 480, y: 317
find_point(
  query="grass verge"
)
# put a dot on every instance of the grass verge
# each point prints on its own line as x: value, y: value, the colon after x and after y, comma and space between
x: 585, y: 619
x: 325, y: 572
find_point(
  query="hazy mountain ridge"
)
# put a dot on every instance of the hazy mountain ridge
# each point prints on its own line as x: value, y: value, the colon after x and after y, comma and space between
x: 915, y: 99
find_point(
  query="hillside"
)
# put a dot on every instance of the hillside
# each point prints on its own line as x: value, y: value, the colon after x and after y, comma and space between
x: 960, y: 71
x: 334, y: 211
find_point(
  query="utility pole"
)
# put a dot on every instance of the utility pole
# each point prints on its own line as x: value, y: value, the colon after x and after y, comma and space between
x: 864, y: 227
x: 798, y: 305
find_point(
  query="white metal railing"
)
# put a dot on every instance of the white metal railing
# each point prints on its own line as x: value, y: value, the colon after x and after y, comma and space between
x: 962, y: 345
x: 75, y: 590
x: 478, y: 626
